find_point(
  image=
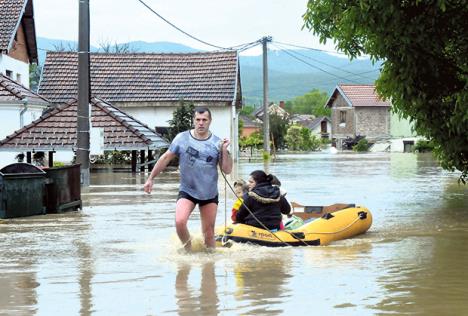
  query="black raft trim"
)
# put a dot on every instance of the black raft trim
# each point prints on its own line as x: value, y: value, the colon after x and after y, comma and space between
x: 315, y: 242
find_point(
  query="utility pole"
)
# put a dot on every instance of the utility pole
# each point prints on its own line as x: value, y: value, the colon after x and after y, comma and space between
x: 266, y: 114
x: 82, y: 142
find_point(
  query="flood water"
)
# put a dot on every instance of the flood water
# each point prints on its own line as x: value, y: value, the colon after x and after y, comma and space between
x: 118, y: 256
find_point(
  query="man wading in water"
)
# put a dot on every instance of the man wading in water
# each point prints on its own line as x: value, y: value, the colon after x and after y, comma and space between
x: 199, y: 153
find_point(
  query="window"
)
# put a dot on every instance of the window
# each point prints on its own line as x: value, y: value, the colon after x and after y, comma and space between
x: 18, y: 78
x: 9, y: 74
x: 342, y: 116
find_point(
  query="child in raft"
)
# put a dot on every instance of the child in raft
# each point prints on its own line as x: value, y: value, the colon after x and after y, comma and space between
x: 240, y: 188
x: 265, y: 201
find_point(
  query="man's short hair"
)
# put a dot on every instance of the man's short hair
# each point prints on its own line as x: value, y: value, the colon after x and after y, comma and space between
x: 201, y: 110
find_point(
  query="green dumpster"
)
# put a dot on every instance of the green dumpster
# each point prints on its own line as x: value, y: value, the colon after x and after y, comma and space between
x: 21, y: 190
x: 63, y: 189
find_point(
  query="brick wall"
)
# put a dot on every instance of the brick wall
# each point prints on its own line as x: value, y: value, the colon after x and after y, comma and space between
x: 19, y: 50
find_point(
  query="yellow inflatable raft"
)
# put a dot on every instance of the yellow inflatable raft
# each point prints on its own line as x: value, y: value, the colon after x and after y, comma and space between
x: 330, y: 226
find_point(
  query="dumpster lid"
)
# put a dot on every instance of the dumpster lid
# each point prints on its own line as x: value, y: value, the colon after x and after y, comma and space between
x: 21, y: 167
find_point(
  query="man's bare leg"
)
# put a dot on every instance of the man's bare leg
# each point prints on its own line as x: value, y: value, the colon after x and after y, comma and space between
x: 184, y: 208
x: 208, y: 219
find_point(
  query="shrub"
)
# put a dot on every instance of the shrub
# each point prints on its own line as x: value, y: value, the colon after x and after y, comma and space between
x: 361, y: 146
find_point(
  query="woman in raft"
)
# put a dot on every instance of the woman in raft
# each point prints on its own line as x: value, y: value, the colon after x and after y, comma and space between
x: 265, y: 201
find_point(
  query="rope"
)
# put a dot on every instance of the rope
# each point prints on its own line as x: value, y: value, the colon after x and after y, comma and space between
x: 256, y: 218
x: 339, y: 231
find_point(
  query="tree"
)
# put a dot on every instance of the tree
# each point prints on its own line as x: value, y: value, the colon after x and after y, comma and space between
x: 278, y: 129
x: 301, y: 138
x: 182, y: 119
x: 423, y: 45
x: 34, y: 76
x: 313, y: 102
x: 254, y: 140
x: 122, y: 48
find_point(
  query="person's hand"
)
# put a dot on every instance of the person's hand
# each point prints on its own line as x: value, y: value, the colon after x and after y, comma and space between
x: 148, y: 187
x: 225, y: 144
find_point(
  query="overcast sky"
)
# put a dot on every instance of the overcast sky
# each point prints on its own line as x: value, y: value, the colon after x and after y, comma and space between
x: 221, y: 22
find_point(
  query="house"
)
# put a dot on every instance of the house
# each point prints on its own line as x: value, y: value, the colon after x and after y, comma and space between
x: 250, y: 126
x: 18, y: 107
x: 320, y: 126
x: 358, y: 110
x: 150, y: 86
x: 55, y: 132
x: 273, y: 108
x: 18, y: 46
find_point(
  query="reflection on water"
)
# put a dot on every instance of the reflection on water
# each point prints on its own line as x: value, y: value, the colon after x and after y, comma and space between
x: 191, y: 301
x: 119, y: 255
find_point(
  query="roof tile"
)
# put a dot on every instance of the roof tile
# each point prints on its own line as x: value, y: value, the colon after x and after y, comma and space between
x: 144, y: 77
x: 56, y: 130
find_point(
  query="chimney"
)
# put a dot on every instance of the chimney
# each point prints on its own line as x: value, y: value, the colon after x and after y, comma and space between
x: 281, y: 105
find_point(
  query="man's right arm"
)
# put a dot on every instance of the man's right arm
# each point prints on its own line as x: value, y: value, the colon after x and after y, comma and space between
x: 161, y: 164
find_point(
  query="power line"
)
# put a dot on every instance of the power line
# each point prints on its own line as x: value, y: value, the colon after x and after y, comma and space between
x: 323, y: 63
x: 310, y: 48
x: 179, y: 29
x: 315, y: 67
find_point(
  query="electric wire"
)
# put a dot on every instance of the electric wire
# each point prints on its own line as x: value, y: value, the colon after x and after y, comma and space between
x: 179, y: 29
x: 321, y: 62
x: 316, y: 67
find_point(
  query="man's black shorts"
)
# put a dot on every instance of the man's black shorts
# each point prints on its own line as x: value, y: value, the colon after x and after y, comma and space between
x: 184, y: 195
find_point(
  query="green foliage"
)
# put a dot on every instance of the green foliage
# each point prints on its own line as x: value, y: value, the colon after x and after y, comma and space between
x: 240, y: 128
x: 266, y: 156
x: 247, y: 110
x: 425, y: 70
x: 255, y: 140
x: 313, y: 102
x: 301, y: 138
x: 182, y: 120
x: 34, y: 76
x: 59, y: 164
x: 361, y: 146
x: 423, y: 146
x: 114, y: 157
x: 278, y: 129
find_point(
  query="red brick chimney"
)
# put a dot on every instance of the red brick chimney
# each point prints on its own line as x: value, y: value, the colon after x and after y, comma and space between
x: 281, y: 105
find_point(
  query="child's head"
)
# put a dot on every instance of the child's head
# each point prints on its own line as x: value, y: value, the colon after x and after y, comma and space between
x: 240, y: 187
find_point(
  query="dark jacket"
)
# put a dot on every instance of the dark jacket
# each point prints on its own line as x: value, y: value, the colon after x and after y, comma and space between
x: 266, y: 203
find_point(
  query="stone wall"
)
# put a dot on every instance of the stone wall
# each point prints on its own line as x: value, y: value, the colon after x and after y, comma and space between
x: 373, y: 122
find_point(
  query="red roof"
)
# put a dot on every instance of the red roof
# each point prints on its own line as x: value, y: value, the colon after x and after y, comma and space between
x: 359, y: 95
x: 145, y: 77
x: 56, y: 130
x: 11, y: 90
x: 11, y: 13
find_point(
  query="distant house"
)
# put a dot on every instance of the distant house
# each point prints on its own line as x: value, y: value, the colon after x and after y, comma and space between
x: 358, y: 110
x: 296, y: 118
x: 18, y: 46
x: 150, y: 86
x: 320, y: 127
x: 273, y: 108
x: 250, y: 126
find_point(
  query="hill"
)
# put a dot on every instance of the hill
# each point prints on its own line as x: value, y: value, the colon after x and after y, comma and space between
x: 292, y: 72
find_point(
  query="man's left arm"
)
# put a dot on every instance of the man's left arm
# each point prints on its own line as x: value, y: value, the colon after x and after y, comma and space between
x: 226, y: 159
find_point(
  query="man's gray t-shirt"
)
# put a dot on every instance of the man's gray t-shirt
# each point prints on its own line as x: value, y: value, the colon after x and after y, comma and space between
x: 198, y: 161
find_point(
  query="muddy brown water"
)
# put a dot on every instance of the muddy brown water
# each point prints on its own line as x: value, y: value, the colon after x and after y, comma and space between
x: 118, y: 256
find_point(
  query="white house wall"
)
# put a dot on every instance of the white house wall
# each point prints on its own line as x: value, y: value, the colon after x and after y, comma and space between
x: 159, y: 116
x: 17, y: 67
